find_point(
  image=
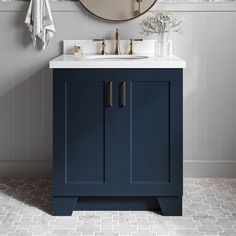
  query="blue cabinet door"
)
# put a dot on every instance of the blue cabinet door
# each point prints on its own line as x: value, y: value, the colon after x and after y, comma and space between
x: 85, y: 105
x: 150, y: 132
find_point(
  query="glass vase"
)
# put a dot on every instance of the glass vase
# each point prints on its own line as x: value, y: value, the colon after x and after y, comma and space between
x: 163, y: 47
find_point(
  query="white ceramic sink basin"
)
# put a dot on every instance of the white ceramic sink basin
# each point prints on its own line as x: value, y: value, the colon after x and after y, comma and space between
x: 116, y: 57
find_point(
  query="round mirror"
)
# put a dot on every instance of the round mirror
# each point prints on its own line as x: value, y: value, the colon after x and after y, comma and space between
x: 117, y: 10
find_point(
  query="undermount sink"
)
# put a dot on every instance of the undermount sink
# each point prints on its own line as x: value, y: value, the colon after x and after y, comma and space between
x: 115, y: 57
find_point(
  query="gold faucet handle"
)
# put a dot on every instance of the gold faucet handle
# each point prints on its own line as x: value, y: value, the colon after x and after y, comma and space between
x: 137, y: 40
x: 103, y: 51
x: 131, y: 45
x: 98, y: 40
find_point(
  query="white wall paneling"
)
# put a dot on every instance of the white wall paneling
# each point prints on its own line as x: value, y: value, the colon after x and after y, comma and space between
x: 207, y: 44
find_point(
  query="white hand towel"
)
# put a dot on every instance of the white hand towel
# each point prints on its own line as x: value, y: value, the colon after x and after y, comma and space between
x: 40, y: 22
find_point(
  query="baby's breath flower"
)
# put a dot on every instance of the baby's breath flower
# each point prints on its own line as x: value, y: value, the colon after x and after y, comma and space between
x: 161, y: 23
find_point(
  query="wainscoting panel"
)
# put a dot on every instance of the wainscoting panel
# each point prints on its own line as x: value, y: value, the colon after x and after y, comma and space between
x: 207, y: 44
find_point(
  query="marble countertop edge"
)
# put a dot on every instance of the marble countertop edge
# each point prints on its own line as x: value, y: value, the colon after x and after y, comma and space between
x: 73, y: 61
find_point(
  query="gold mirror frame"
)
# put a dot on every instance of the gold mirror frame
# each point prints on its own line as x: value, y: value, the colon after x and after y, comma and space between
x: 122, y: 20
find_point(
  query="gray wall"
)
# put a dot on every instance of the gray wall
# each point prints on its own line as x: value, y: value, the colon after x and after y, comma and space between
x: 208, y: 45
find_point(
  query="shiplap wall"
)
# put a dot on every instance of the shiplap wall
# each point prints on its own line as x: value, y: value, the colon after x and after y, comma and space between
x: 207, y: 44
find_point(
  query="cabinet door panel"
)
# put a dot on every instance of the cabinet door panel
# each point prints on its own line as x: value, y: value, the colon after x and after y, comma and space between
x: 150, y: 133
x: 85, y: 112
x: 149, y: 129
x: 84, y: 127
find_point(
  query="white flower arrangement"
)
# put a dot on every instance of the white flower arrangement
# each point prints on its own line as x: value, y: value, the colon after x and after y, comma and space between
x: 161, y: 23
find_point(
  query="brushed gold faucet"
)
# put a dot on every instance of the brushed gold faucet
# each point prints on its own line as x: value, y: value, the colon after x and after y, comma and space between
x: 117, y: 50
x: 117, y: 43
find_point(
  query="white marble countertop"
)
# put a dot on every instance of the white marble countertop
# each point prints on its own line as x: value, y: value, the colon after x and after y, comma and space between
x: 73, y: 61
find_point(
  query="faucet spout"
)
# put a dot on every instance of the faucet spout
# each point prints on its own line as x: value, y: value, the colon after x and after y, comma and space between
x: 117, y: 43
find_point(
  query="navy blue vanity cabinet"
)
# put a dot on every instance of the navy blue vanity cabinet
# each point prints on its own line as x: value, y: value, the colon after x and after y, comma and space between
x: 117, y: 140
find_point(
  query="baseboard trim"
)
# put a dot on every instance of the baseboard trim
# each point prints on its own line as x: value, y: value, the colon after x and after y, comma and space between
x: 210, y: 169
x: 26, y: 168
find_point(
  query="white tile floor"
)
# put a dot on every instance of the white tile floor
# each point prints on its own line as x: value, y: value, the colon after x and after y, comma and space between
x: 209, y: 209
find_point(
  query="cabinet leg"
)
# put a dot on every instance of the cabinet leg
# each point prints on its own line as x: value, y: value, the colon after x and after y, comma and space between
x: 64, y: 206
x: 171, y: 206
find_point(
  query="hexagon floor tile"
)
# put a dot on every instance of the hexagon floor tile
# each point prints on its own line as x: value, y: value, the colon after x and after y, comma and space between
x: 209, y: 208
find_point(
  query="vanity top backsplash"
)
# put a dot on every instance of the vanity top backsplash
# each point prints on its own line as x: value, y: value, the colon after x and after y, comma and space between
x: 89, y: 46
x: 144, y: 56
